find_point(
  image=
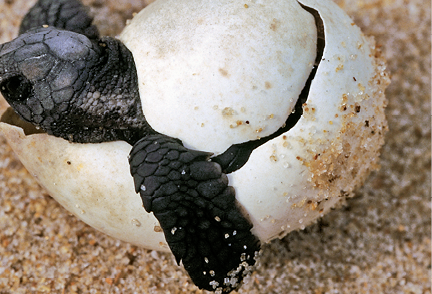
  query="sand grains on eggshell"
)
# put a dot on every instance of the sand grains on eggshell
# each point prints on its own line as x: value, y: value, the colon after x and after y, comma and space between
x: 334, y: 146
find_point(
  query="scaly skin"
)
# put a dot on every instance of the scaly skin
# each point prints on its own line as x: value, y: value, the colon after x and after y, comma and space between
x: 197, y: 211
x: 87, y: 93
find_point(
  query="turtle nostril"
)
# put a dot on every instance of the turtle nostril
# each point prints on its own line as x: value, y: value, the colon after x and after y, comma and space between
x: 16, y: 88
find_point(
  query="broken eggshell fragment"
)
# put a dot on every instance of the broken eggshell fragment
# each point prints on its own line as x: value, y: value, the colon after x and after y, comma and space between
x: 334, y: 145
x: 287, y: 182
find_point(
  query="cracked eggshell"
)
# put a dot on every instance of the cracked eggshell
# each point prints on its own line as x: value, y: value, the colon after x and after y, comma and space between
x: 217, y: 73
x: 335, y: 144
x: 287, y: 182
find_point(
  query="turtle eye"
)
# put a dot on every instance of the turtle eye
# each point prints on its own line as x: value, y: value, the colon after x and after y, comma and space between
x: 16, y: 88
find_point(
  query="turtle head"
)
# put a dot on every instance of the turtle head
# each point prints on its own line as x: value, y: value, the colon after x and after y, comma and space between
x: 40, y: 71
x: 72, y: 87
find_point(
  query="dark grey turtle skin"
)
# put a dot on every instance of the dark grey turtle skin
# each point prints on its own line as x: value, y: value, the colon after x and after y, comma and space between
x: 59, y: 75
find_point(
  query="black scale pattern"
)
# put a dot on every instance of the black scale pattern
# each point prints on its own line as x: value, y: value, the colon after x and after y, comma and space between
x: 70, y: 15
x: 197, y: 211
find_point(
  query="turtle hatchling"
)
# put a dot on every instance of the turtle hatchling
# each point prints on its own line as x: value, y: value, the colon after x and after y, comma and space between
x: 207, y: 128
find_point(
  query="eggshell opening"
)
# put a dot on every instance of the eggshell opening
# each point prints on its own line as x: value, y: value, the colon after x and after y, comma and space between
x: 217, y: 73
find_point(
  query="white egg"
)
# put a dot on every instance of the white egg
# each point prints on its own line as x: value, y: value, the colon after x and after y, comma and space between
x: 217, y: 73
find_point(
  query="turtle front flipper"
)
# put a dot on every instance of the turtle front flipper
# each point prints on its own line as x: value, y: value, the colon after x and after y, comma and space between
x: 69, y: 15
x: 197, y: 211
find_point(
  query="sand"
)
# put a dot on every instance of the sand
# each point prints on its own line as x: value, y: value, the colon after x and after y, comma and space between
x: 380, y: 242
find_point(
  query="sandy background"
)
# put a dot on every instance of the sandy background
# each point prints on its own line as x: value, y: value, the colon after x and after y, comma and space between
x: 379, y: 243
